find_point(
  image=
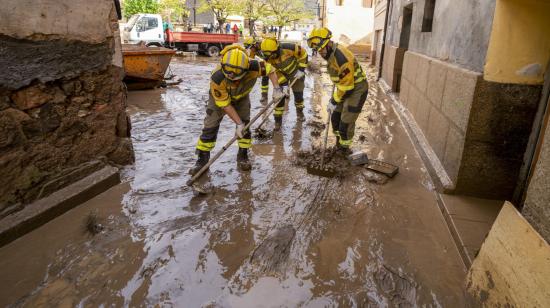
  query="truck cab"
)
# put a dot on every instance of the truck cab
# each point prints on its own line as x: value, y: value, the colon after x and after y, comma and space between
x: 146, y: 28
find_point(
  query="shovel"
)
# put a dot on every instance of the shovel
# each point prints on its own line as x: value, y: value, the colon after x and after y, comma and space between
x: 260, y: 131
x: 321, y: 170
x: 361, y: 158
x: 197, y: 175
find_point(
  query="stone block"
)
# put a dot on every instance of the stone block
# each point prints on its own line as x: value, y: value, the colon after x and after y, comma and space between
x: 31, y: 97
x: 436, y: 82
x: 413, y: 64
x: 458, y: 96
x: 438, y: 128
x: 453, y: 152
x: 403, y: 94
x: 422, y: 113
x: 422, y: 70
x: 406, y: 67
x: 413, y: 96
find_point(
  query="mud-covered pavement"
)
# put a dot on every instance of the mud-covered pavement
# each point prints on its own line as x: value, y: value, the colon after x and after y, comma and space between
x: 272, y: 237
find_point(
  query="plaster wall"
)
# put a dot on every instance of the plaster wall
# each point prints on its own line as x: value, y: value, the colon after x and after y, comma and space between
x: 350, y: 23
x: 512, y: 269
x: 80, y: 20
x: 519, y: 48
x: 460, y: 33
x: 537, y: 203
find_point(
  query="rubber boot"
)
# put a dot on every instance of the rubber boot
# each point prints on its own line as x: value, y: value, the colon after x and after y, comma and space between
x: 278, y: 123
x: 202, y: 160
x: 344, y: 151
x: 242, y: 160
x: 300, y: 114
x: 263, y: 100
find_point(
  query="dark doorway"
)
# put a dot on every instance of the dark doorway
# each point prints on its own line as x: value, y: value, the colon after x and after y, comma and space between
x: 406, y: 29
x: 403, y: 44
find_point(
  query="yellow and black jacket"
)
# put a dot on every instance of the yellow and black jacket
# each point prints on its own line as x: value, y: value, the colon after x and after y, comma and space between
x: 345, y: 72
x: 225, y: 91
x: 291, y: 58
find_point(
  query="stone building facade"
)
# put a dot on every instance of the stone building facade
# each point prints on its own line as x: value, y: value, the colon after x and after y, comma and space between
x: 62, y: 100
x: 473, y: 82
x: 449, y: 61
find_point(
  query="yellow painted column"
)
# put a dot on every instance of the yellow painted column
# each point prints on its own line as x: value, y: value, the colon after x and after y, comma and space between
x: 519, y: 47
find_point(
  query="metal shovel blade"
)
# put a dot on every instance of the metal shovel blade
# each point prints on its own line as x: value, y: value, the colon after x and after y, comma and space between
x: 200, y: 189
x: 324, y: 172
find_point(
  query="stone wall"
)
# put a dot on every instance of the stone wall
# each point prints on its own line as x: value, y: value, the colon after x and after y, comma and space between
x: 392, y: 66
x: 62, y: 104
x: 478, y: 129
x: 537, y: 203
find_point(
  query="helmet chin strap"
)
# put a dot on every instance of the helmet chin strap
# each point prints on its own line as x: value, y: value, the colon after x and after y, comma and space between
x: 329, y: 51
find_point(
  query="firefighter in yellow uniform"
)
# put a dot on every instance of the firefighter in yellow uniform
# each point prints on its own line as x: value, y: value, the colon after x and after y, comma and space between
x: 230, y: 85
x: 351, y: 87
x: 252, y: 45
x: 290, y: 60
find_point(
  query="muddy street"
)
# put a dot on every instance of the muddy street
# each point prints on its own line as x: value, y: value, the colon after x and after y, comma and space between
x: 275, y: 236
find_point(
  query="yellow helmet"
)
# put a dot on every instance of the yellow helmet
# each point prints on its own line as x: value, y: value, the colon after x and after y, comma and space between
x: 319, y: 38
x: 250, y: 42
x: 269, y: 47
x: 234, y: 62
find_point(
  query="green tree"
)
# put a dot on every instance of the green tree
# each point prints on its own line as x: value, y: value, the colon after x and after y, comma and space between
x: 220, y: 8
x: 176, y: 10
x: 285, y: 12
x: 131, y: 7
x: 253, y: 10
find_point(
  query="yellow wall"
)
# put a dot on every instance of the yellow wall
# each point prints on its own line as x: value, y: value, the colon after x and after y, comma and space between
x: 512, y: 268
x: 520, y: 42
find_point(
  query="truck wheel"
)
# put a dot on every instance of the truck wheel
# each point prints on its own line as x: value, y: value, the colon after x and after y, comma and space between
x: 153, y: 45
x: 213, y: 51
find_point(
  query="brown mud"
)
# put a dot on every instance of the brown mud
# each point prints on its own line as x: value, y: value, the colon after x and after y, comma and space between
x: 273, y: 236
x: 334, y: 160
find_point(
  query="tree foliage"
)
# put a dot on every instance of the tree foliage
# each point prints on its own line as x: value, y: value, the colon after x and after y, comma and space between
x: 253, y: 10
x: 176, y: 10
x: 131, y: 7
x: 220, y: 8
x: 285, y: 12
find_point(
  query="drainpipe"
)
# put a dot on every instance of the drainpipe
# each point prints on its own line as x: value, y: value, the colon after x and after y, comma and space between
x: 386, y: 20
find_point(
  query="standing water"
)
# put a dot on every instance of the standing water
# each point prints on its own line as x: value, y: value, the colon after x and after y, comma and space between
x: 271, y: 237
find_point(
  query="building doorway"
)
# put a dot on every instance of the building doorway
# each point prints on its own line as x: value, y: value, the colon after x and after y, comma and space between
x: 403, y: 43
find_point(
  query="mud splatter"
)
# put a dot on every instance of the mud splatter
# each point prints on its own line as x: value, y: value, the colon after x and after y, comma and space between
x: 92, y: 224
x: 272, y: 253
x: 334, y: 160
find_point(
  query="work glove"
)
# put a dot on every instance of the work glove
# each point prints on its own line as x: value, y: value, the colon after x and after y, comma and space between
x: 278, y: 94
x: 239, y: 131
x: 299, y: 75
x: 331, y: 106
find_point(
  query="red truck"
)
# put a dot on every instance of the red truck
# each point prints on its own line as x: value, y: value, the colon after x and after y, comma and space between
x: 204, y: 43
x: 148, y: 28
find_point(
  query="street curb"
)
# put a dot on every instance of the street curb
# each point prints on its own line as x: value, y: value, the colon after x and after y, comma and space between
x: 433, y: 165
x: 42, y: 211
x: 426, y: 153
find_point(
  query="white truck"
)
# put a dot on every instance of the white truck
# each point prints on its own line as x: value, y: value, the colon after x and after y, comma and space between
x: 148, y: 28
